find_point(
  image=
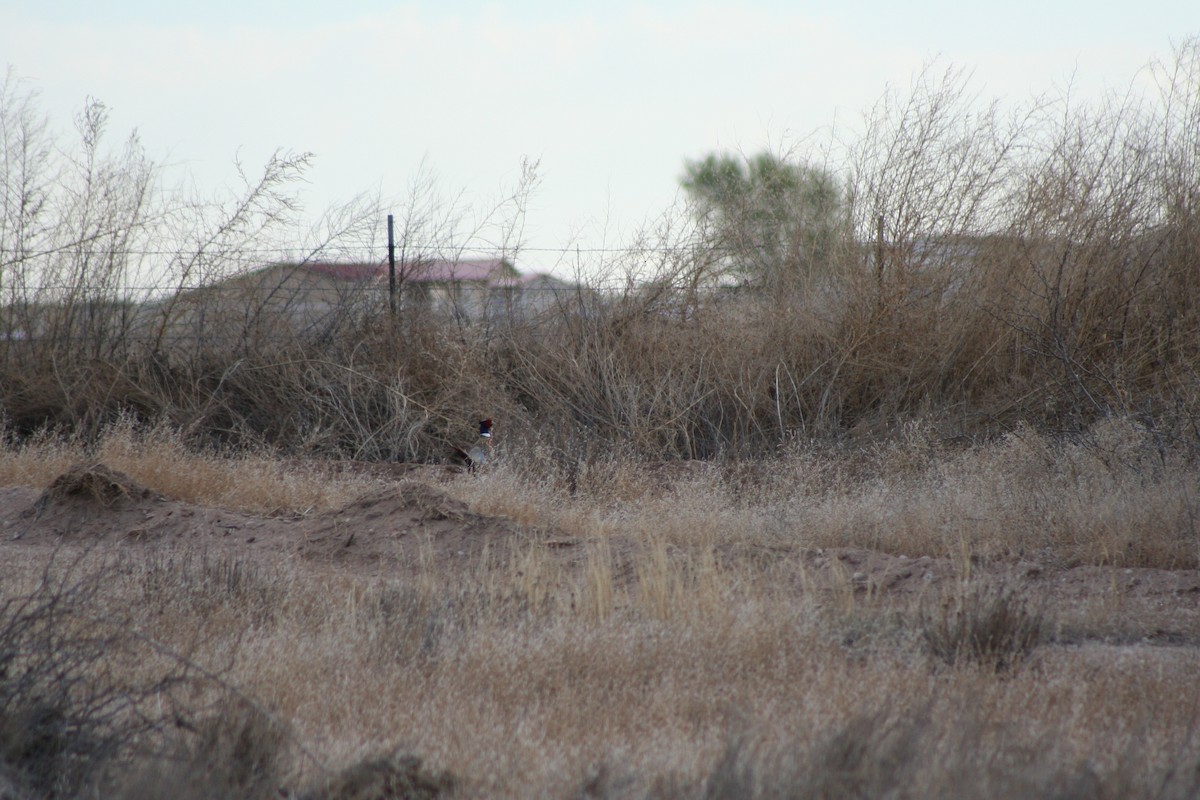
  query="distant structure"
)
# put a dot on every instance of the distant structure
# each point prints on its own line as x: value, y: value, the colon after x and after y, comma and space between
x: 316, y: 299
x: 472, y: 289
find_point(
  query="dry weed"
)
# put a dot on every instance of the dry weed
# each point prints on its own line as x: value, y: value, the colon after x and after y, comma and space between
x: 990, y: 625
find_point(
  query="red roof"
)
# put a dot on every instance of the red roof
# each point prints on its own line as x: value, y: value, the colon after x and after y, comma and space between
x: 348, y: 272
x: 490, y: 270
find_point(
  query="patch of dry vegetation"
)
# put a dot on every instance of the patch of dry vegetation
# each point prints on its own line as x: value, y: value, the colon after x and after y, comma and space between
x: 1005, y: 382
x: 713, y: 660
x: 1113, y: 496
x: 760, y: 695
x: 160, y: 460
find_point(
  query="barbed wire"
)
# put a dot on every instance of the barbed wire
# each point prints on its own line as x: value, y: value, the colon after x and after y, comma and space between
x: 365, y: 287
x: 448, y: 253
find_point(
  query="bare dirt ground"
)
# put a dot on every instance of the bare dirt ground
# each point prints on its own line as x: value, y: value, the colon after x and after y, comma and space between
x: 409, y: 524
x: 405, y: 526
x: 385, y: 528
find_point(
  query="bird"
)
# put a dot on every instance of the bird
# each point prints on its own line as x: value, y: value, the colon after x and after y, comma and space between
x: 480, y: 453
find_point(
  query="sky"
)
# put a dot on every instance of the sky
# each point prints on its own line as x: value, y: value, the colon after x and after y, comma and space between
x: 609, y: 99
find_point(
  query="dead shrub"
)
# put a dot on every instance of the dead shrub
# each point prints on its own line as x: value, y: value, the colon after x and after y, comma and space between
x: 1005, y: 266
x: 237, y: 751
x: 71, y: 702
x: 991, y: 625
x: 398, y: 776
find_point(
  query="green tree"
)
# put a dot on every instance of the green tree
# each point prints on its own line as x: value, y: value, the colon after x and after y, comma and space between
x: 776, y: 222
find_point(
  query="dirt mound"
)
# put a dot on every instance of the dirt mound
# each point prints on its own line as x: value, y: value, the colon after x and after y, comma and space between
x: 97, y: 484
x: 87, y: 500
x: 411, y: 526
x: 409, y: 522
x: 406, y: 524
x: 96, y: 502
x: 418, y: 501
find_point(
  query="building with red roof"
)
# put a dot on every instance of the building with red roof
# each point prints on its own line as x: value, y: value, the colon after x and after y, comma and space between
x: 317, y: 298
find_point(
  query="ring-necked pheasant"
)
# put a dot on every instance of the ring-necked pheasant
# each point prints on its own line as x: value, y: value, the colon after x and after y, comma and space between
x: 481, y: 452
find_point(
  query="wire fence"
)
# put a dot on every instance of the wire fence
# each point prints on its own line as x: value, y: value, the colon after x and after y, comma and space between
x: 289, y: 307
x: 82, y: 292
x: 127, y: 270
x: 125, y: 277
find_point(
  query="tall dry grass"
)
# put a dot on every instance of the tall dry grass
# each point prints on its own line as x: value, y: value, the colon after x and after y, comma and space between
x: 160, y: 458
x: 765, y: 694
x: 1113, y: 496
x: 684, y: 645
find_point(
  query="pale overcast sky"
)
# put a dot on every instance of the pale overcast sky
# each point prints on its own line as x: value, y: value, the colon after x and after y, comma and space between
x: 611, y: 97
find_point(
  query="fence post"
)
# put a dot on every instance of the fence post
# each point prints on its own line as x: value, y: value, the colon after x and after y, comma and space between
x: 391, y: 265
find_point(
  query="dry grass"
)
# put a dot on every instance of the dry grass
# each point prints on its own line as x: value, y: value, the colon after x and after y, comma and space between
x: 746, y: 699
x: 991, y: 625
x: 1113, y: 496
x: 701, y: 669
x: 1034, y: 404
x: 159, y: 459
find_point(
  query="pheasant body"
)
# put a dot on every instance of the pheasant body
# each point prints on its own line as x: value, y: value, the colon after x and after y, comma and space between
x: 481, y: 453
